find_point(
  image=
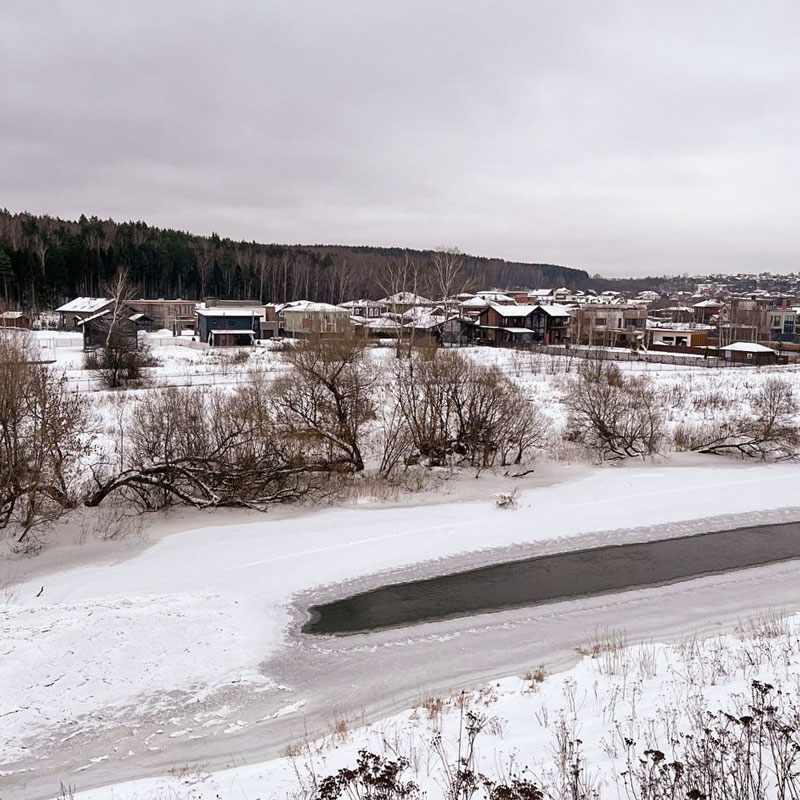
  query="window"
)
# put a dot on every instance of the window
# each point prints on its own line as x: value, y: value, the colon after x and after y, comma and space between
x: 600, y: 321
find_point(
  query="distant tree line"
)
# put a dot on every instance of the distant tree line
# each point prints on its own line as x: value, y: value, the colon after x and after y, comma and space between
x: 46, y: 260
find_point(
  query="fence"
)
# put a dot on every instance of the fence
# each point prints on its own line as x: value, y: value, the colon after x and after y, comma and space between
x: 643, y: 356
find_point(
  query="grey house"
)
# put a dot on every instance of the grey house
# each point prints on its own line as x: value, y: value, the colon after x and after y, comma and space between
x: 228, y: 327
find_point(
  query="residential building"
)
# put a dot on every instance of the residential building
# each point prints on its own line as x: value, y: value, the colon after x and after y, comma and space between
x: 226, y: 327
x: 71, y: 313
x: 618, y: 325
x: 550, y: 324
x: 508, y: 324
x: 165, y: 313
x: 303, y: 318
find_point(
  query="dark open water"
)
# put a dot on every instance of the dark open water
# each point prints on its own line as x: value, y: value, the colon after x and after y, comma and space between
x: 544, y: 579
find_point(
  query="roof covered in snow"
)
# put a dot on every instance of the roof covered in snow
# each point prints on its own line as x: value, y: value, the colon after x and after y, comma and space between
x: 84, y: 305
x: 231, y: 312
x: 496, y: 297
x: 513, y: 311
x: 310, y: 307
x: 748, y: 347
x: 555, y: 310
x: 359, y: 304
x: 406, y: 298
x: 475, y: 302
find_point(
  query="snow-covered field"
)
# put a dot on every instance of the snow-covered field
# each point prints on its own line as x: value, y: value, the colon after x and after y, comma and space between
x: 591, y: 723
x: 174, y: 641
x: 181, y: 648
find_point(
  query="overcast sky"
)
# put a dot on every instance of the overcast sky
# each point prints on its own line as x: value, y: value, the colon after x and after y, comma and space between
x: 626, y: 138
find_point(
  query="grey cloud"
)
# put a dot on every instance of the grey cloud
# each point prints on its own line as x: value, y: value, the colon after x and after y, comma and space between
x: 626, y: 138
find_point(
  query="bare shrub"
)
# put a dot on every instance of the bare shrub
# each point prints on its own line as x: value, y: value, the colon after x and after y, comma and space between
x: 207, y: 448
x: 614, y: 416
x: 770, y: 432
x: 372, y: 777
x: 44, y: 434
x: 459, y: 412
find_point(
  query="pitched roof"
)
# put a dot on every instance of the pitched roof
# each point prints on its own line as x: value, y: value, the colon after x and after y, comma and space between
x: 84, y: 305
x: 513, y: 311
x: 708, y: 304
x: 406, y: 298
x: 310, y: 306
x: 555, y: 310
x: 748, y: 347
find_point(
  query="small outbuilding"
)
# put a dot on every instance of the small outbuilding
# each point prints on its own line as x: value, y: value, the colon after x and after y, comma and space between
x: 99, y: 327
x: 15, y: 319
x: 750, y: 353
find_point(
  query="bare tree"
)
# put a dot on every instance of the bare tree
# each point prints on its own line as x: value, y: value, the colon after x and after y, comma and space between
x: 120, y: 359
x: 448, y: 278
x: 326, y: 401
x: 401, y: 279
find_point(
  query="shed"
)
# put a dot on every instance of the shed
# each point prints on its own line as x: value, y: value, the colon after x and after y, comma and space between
x: 749, y: 353
x: 96, y: 330
x: 15, y: 319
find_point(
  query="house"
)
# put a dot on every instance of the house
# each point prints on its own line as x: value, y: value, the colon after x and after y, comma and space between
x: 550, y: 324
x: 99, y: 328
x: 494, y: 296
x: 706, y: 310
x: 165, y: 314
x: 401, y: 302
x: 674, y: 314
x: 648, y: 296
x: 71, y: 313
x: 15, y: 319
x: 750, y: 353
x: 367, y: 309
x: 507, y: 324
x: 473, y: 307
x: 303, y: 318
x: 772, y: 316
x: 681, y: 336
x: 606, y: 325
x: 459, y: 331
x: 540, y: 296
x: 228, y: 327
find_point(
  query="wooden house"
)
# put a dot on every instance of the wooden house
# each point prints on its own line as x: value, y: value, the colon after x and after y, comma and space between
x: 507, y: 324
x: 71, y: 313
x: 99, y: 327
x: 16, y: 319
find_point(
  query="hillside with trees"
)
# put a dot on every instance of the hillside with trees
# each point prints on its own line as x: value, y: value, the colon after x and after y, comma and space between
x: 46, y: 260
